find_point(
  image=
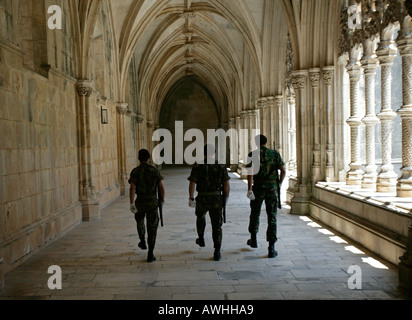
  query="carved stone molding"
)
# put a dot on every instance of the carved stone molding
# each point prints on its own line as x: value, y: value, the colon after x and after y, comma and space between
x: 84, y: 88
x: 328, y: 75
x: 261, y: 103
x: 376, y: 16
x: 314, y: 75
x: 188, y: 14
x: 139, y: 118
x: 122, y: 108
x: 298, y: 81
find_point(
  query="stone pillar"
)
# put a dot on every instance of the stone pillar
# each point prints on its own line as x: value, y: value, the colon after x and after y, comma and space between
x: 273, y: 123
x: 328, y: 77
x: 254, y: 125
x: 240, y: 133
x: 279, y: 124
x: 404, y: 186
x: 302, y: 195
x: 233, y: 147
x: 355, y: 173
x: 140, y: 135
x: 405, y: 266
x: 316, y: 161
x: 244, y: 137
x: 370, y: 64
x: 121, y: 143
x: 150, y: 131
x: 292, y: 133
x: 387, y: 177
x: 88, y: 198
x: 262, y: 106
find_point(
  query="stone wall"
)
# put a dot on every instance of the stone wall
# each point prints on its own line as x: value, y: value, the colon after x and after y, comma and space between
x: 41, y: 147
x: 39, y: 158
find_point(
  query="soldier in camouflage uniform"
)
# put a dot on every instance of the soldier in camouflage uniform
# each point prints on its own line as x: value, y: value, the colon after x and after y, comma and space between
x: 145, y: 181
x: 210, y: 179
x: 263, y: 186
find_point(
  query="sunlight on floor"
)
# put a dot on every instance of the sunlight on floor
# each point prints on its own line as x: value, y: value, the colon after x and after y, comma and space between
x: 374, y: 263
x: 369, y: 260
x: 354, y: 250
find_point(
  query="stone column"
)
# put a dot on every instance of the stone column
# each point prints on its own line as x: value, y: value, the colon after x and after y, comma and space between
x: 88, y: 198
x: 244, y: 136
x: 254, y: 126
x: 121, y: 145
x: 387, y: 177
x: 262, y: 106
x: 239, y: 133
x: 150, y: 131
x: 279, y: 124
x: 404, y: 186
x: 328, y: 77
x: 370, y: 64
x: 233, y: 147
x: 292, y: 133
x: 316, y: 161
x: 139, y: 121
x: 355, y: 173
x: 302, y: 195
x: 273, y: 123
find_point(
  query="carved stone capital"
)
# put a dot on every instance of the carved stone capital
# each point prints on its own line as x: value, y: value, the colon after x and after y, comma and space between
x: 122, y: 108
x: 314, y: 75
x: 261, y: 103
x: 328, y: 75
x: 84, y: 88
x: 298, y: 81
x: 271, y: 101
x: 139, y: 118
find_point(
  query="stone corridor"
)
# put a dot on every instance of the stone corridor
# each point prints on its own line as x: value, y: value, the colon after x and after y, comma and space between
x: 100, y: 260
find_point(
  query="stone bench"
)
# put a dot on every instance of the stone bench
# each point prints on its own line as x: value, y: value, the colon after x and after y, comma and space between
x: 405, y: 266
x: 1, y: 274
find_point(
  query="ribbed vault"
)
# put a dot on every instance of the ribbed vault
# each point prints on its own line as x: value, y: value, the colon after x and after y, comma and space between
x: 219, y: 42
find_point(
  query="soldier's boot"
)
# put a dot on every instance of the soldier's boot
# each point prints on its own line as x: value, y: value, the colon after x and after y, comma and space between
x: 272, y: 253
x: 201, y: 242
x: 150, y: 255
x: 217, y: 256
x: 252, y: 242
x: 142, y: 244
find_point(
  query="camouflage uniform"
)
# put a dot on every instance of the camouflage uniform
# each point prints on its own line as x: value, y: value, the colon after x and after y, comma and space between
x: 265, y: 189
x: 209, y: 179
x: 146, y: 178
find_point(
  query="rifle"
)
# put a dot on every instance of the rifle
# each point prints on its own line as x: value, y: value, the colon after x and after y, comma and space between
x: 224, y: 205
x: 279, y: 200
x: 159, y: 202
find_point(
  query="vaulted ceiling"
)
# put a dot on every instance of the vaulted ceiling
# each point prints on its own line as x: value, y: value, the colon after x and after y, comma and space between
x: 236, y: 48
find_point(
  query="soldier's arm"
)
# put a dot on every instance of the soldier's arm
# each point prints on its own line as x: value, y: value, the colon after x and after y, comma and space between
x: 192, y: 187
x: 249, y: 182
x: 226, y: 187
x: 282, y: 174
x: 132, y: 193
x: 162, y: 191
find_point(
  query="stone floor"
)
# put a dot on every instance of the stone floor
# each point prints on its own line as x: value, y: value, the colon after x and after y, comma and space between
x: 100, y: 260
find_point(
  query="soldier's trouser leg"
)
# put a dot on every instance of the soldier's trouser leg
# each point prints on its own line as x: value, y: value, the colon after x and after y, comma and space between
x: 141, y: 229
x: 217, y: 222
x: 254, y: 220
x: 200, y: 222
x: 152, y: 218
x: 271, y: 210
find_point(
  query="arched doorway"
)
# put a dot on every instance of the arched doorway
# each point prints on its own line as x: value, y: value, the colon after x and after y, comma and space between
x: 189, y: 105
